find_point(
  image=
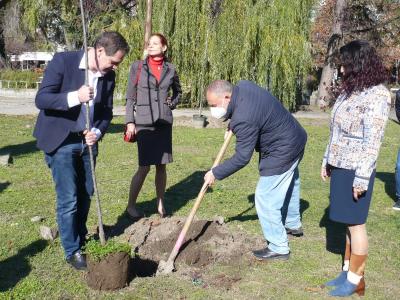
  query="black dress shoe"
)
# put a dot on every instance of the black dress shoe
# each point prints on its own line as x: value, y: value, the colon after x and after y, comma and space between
x: 295, y: 232
x: 78, y: 261
x: 267, y: 254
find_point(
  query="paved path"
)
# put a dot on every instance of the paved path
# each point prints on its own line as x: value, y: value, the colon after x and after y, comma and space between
x: 16, y: 106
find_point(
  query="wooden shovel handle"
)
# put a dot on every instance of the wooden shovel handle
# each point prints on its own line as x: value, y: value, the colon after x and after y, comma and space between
x: 223, y: 149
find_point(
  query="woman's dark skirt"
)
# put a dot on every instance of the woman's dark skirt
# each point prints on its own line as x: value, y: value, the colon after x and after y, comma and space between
x: 154, y: 145
x: 343, y: 207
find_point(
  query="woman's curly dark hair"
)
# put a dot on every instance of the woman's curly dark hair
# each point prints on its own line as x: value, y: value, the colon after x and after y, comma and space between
x: 363, y: 68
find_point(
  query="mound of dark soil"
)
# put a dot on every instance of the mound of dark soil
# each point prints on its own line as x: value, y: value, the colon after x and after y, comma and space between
x: 110, y: 273
x: 207, y: 242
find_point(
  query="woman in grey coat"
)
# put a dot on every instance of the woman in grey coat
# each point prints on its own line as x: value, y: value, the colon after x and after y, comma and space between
x: 149, y: 117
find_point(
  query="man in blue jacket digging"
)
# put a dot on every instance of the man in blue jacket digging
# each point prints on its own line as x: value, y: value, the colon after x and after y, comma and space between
x: 261, y: 123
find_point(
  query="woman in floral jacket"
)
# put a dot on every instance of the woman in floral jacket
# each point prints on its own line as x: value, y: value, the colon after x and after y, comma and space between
x: 357, y: 126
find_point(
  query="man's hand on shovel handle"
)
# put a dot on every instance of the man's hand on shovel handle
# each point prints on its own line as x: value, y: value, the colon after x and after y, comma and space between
x: 209, y: 178
x: 90, y: 137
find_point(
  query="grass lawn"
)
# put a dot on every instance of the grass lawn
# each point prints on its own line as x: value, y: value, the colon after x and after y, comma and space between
x: 34, y: 269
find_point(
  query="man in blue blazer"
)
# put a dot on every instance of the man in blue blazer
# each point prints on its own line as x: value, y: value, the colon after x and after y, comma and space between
x: 61, y: 130
x: 261, y: 123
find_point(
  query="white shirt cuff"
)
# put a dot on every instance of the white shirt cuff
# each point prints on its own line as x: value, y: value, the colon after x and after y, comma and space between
x: 73, y: 99
x: 97, y: 132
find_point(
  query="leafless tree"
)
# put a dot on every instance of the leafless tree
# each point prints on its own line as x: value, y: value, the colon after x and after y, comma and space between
x: 334, y: 41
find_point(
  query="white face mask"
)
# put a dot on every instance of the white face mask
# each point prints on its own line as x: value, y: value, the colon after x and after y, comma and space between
x: 218, y: 112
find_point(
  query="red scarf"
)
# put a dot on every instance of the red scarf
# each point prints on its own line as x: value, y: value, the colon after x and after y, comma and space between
x: 156, y: 67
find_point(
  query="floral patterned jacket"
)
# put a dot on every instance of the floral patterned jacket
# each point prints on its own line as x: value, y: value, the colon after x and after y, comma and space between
x: 356, y: 132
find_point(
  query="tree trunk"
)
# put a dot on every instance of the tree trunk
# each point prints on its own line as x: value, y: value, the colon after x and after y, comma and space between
x: 3, y: 57
x: 3, y: 62
x: 147, y: 27
x: 328, y: 70
x: 2, y: 50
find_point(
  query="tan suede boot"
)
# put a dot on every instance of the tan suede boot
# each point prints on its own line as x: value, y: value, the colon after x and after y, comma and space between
x: 357, y: 266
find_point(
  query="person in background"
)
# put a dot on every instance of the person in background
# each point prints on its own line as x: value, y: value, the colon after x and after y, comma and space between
x: 358, y: 121
x: 396, y: 206
x: 149, y: 117
x: 61, y: 130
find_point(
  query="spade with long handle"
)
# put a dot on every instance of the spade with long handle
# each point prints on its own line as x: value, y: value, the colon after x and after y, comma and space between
x: 165, y: 267
x: 96, y: 192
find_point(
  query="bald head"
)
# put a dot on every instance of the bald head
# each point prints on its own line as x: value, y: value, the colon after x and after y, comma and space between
x: 219, y: 93
x: 219, y: 87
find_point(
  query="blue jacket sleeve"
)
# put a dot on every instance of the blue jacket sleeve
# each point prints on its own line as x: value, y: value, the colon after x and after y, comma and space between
x: 246, y: 140
x: 49, y: 96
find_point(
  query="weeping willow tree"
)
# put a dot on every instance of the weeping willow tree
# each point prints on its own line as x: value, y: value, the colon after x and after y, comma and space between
x: 266, y: 41
x: 55, y: 21
x: 263, y: 41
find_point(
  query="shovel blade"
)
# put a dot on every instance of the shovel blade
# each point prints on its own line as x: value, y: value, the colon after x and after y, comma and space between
x: 165, y: 267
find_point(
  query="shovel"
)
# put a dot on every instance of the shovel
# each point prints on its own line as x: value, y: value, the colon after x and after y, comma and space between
x: 166, y: 267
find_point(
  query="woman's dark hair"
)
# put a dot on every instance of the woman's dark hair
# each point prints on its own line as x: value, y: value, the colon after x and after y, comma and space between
x: 362, y: 65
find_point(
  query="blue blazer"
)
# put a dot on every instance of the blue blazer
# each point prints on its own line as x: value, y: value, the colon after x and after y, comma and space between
x: 260, y: 122
x: 56, y: 120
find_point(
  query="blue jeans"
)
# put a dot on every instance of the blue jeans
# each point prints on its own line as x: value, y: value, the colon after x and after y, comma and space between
x: 398, y: 176
x: 277, y: 201
x: 72, y: 176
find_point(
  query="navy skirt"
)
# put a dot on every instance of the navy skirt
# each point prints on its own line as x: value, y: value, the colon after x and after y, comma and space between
x: 343, y: 207
x: 154, y: 145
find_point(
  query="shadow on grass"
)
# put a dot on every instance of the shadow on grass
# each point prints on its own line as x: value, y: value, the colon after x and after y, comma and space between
x: 116, y: 128
x: 4, y: 185
x: 335, y: 234
x: 142, y: 268
x: 20, y: 149
x: 16, y: 267
x: 176, y: 197
x: 243, y: 217
x: 388, y: 179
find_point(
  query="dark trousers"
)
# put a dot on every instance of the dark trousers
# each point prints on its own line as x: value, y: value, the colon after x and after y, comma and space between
x: 72, y: 176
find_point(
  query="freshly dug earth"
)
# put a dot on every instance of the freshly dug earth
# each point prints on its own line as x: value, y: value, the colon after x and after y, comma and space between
x: 207, y: 242
x: 110, y: 273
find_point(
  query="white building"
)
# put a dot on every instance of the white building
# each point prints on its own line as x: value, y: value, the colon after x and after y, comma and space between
x: 27, y: 59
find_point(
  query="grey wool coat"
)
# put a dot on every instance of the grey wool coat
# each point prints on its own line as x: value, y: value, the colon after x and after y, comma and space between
x: 148, y: 101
